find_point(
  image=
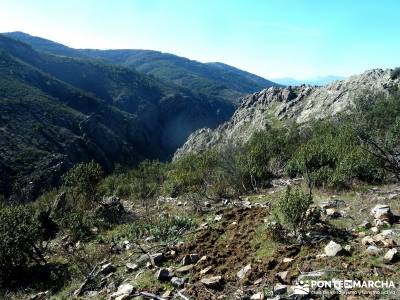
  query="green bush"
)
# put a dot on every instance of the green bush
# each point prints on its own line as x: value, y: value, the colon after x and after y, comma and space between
x: 291, y: 209
x: 332, y: 156
x: 82, y: 181
x: 20, y: 241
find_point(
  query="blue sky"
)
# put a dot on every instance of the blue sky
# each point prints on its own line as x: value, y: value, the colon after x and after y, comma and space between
x: 285, y: 38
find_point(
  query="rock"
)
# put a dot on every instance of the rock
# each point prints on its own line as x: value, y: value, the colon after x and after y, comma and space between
x: 123, y: 292
x: 111, y: 208
x: 332, y: 249
x: 258, y: 296
x: 207, y: 204
x: 333, y: 213
x: 164, y: 274
x: 373, y: 250
x: 367, y: 240
x: 242, y: 273
x: 218, y: 218
x: 177, y: 282
x: 347, y: 248
x: 131, y: 267
x: 366, y: 224
x: 282, y: 275
x: 212, y: 282
x: 40, y: 296
x: 382, y: 212
x: 107, y: 268
x: 313, y: 274
x: 390, y: 255
x: 280, y: 289
x: 157, y: 258
x: 388, y: 233
x: 287, y: 260
x: 206, y: 270
x: 375, y: 229
x: 184, y: 269
x: 186, y: 260
x: 167, y: 294
x: 194, y: 257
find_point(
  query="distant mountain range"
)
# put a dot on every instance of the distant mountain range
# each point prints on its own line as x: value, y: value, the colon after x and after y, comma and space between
x: 60, y: 106
x: 321, y: 80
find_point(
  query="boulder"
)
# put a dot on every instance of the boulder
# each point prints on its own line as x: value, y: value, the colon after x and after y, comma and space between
x: 367, y: 240
x: 333, y: 213
x: 280, y: 289
x: 258, y: 296
x: 242, y: 273
x: 333, y: 248
x: 206, y: 270
x: 282, y: 275
x: 107, y: 268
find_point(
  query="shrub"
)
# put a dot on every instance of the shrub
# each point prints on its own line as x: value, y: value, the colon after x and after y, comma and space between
x: 20, y: 241
x: 331, y: 156
x: 290, y: 210
x: 82, y: 181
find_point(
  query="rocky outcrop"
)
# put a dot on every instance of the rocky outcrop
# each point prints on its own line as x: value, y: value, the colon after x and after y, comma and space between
x: 299, y: 104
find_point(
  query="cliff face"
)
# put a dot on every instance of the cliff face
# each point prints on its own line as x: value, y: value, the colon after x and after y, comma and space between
x: 298, y: 104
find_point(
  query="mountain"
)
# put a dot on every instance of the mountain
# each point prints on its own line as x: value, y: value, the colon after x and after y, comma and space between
x: 212, y: 79
x: 56, y: 111
x: 298, y: 104
x: 320, y: 80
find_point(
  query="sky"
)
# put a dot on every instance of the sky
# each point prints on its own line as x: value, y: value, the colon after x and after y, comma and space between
x: 271, y: 38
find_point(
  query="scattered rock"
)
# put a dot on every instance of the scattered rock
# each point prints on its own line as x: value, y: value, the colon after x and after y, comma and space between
x: 131, y: 267
x: 333, y: 248
x: 333, y: 213
x: 107, y: 269
x: 366, y: 224
x: 367, y: 240
x: 347, y: 248
x: 282, y: 275
x: 242, y: 273
x: 206, y: 270
x: 258, y: 296
x: 164, y: 274
x: 375, y: 229
x: 287, y: 260
x: 177, y: 282
x: 123, y: 292
x: 184, y: 269
x: 390, y: 255
x: 373, y: 250
x: 382, y: 212
x: 212, y: 282
x: 218, y: 218
x: 280, y: 289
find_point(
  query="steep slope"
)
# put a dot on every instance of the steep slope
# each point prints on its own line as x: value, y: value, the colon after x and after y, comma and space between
x: 298, y: 104
x: 211, y: 79
x: 57, y: 111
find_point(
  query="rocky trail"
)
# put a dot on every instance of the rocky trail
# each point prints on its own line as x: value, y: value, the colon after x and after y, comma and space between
x: 230, y: 256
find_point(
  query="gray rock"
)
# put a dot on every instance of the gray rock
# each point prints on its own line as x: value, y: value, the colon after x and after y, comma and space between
x: 107, y: 268
x: 242, y: 273
x: 374, y: 250
x: 40, y: 296
x: 391, y: 255
x: 131, y: 267
x: 124, y: 290
x: 280, y: 289
x: 382, y: 212
x: 184, y: 269
x: 212, y: 282
x: 177, y: 282
x: 333, y: 248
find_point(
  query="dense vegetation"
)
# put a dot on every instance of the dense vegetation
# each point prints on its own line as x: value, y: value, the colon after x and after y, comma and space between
x: 333, y: 154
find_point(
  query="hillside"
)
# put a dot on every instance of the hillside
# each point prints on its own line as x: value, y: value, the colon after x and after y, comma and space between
x: 211, y: 79
x: 298, y: 104
x: 108, y: 113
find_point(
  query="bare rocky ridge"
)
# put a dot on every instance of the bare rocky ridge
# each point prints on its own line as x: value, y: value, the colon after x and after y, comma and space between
x: 299, y: 104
